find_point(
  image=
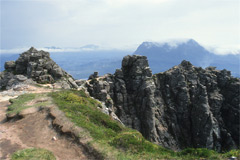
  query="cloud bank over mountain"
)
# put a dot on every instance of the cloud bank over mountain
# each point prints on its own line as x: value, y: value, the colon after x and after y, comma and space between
x: 171, y: 43
x: 162, y: 56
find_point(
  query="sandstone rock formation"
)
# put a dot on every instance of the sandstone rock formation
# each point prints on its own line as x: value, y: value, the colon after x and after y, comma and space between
x: 185, y: 106
x: 37, y: 66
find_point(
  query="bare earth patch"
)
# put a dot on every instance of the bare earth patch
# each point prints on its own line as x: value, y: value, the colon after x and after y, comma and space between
x: 36, y: 130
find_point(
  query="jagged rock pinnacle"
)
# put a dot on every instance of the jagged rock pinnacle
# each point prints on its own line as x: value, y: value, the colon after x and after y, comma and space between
x: 185, y: 106
x: 32, y: 50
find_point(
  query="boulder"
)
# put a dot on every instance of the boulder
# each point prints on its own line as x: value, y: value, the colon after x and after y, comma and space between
x: 38, y: 66
x: 93, y: 76
x: 80, y: 82
x: 46, y: 79
x: 21, y: 78
x: 10, y: 66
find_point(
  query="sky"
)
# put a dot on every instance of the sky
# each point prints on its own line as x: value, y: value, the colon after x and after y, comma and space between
x: 119, y: 24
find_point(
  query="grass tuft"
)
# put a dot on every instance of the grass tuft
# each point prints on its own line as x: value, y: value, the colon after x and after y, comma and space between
x: 21, y: 102
x: 234, y: 152
x: 18, y: 104
x: 33, y: 154
x: 198, y: 152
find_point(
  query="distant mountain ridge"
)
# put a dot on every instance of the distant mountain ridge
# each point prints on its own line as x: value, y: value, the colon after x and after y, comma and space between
x: 162, y: 56
x: 52, y: 47
x: 82, y: 61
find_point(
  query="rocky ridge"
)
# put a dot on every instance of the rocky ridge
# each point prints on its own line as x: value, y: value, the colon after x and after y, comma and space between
x: 185, y: 106
x: 34, y: 66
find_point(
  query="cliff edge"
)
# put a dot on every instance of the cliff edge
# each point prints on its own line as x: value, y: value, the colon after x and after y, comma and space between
x: 186, y: 106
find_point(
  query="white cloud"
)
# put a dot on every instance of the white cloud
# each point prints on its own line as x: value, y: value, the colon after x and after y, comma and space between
x: 222, y: 50
x: 121, y: 3
x: 51, y: 50
x: 13, y: 51
x: 89, y: 47
x: 118, y: 23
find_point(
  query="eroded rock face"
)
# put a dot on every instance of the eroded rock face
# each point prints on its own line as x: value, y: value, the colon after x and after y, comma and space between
x: 35, y: 65
x: 185, y: 106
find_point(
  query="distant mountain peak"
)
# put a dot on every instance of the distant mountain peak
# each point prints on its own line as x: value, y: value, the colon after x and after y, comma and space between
x: 176, y: 47
x: 148, y: 44
x: 170, y: 43
x: 192, y: 42
x: 90, y: 46
x: 52, y: 47
x: 162, y: 55
x: 32, y: 49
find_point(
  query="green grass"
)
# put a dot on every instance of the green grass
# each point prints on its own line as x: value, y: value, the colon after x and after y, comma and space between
x: 110, y: 136
x: 20, y: 103
x: 234, y: 152
x: 197, y: 153
x: 84, y: 112
x: 33, y: 154
x: 123, y: 142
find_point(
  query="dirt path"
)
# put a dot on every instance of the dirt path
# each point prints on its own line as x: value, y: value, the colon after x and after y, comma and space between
x: 14, y: 93
x: 35, y: 130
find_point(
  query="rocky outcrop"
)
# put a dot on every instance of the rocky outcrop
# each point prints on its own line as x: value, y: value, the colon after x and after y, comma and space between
x: 185, y: 106
x: 37, y: 66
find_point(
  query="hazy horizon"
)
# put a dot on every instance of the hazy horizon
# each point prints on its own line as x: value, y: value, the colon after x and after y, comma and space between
x: 93, y: 47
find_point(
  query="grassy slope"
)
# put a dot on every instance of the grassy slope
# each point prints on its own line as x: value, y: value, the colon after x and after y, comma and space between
x: 114, y: 139
x: 123, y: 142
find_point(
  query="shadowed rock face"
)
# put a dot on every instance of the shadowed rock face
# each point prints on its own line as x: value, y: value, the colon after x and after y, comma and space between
x: 185, y: 106
x: 38, y: 66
